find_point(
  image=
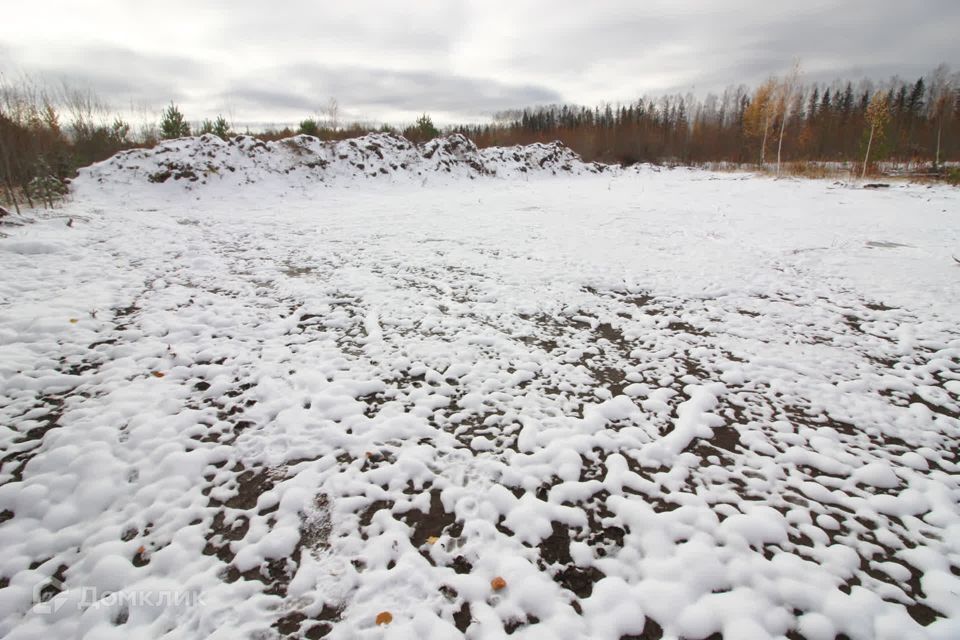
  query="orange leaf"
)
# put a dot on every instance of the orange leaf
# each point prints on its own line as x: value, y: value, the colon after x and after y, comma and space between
x: 384, y: 617
x: 157, y: 374
x: 141, y: 549
x: 432, y: 540
x: 498, y: 583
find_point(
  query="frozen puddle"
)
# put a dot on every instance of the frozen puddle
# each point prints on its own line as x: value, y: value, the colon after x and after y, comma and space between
x: 651, y: 410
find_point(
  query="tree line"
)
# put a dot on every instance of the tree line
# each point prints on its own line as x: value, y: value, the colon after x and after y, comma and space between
x: 902, y: 121
x: 46, y: 134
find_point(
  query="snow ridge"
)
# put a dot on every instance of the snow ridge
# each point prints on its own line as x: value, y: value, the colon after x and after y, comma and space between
x: 204, y: 160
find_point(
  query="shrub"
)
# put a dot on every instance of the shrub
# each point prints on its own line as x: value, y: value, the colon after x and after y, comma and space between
x: 309, y: 127
x: 120, y: 132
x: 45, y: 186
x: 172, y: 124
x: 422, y: 131
x: 953, y: 176
x: 221, y: 128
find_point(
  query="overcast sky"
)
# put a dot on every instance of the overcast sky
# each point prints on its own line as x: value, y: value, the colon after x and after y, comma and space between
x: 279, y: 61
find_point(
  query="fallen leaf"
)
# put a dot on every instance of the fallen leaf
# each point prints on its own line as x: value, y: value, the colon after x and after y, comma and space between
x: 74, y: 321
x: 498, y: 583
x: 432, y: 540
x: 157, y: 374
x: 384, y: 617
x: 141, y: 549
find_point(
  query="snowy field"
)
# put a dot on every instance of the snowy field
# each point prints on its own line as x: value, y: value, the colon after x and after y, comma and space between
x: 654, y: 404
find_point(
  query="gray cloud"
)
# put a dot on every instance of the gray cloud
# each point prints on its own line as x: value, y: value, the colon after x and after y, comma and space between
x: 120, y: 75
x: 720, y: 43
x: 462, y: 59
x: 366, y: 92
x: 267, y: 100
x: 412, y: 90
x: 425, y: 29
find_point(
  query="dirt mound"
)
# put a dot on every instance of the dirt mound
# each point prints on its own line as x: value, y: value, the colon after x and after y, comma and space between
x: 208, y: 160
x: 554, y: 158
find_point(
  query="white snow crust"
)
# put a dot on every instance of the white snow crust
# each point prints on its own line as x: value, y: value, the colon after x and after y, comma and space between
x: 295, y: 392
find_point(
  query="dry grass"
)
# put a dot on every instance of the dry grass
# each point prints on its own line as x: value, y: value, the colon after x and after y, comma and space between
x: 815, y: 170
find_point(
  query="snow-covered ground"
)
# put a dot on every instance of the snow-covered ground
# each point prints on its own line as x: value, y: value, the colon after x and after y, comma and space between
x: 656, y: 404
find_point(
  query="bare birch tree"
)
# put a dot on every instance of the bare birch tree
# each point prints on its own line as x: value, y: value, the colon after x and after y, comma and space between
x: 878, y: 112
x: 784, y: 103
x: 941, y: 95
x: 333, y: 113
x: 757, y: 117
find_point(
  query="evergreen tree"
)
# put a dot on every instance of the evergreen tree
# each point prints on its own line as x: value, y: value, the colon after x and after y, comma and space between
x: 825, y: 105
x: 846, y: 103
x: 826, y: 109
x: 812, y: 105
x: 915, y: 110
x: 915, y: 101
x: 120, y: 132
x: 425, y: 128
x: 172, y: 124
x: 309, y: 127
x: 221, y: 128
x: 900, y: 102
